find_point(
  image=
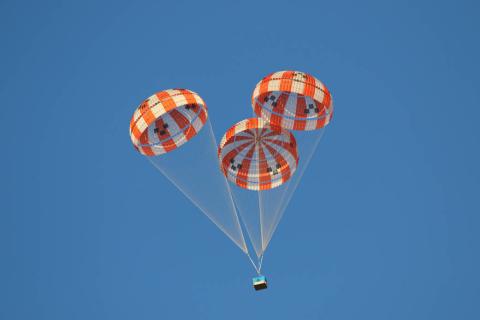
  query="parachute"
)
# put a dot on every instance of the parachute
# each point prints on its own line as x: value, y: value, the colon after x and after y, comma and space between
x: 166, y: 120
x: 293, y: 100
x: 256, y: 156
x: 244, y: 183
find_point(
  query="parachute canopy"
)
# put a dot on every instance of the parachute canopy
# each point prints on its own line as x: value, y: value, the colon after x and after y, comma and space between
x: 257, y: 156
x: 293, y: 100
x: 166, y: 120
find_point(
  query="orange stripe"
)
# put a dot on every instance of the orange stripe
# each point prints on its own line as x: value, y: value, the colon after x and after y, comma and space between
x: 276, y: 119
x: 243, y: 173
x: 264, y: 84
x: 144, y: 138
x: 148, y: 117
x: 136, y: 132
x: 300, y: 113
x: 257, y: 106
x: 284, y: 167
x: 230, y: 132
x: 252, y: 123
x: 190, y: 98
x: 148, y: 151
x: 265, y: 180
x: 286, y: 81
x: 144, y: 141
x: 327, y: 97
x: 166, y: 100
x: 322, y: 115
x: 203, y: 116
x: 309, y: 88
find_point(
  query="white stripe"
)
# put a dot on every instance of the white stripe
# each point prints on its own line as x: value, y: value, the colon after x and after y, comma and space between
x: 274, y: 85
x: 319, y: 95
x: 158, y: 110
x: 278, y: 74
x: 141, y: 125
x: 298, y: 86
x: 180, y: 100
x: 158, y: 149
x: 136, y: 115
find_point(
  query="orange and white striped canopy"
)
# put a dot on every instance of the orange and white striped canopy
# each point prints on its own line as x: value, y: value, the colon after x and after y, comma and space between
x: 257, y: 156
x: 166, y: 120
x: 293, y: 100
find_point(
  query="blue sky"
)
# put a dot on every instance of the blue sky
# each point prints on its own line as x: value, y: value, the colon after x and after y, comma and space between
x: 89, y: 229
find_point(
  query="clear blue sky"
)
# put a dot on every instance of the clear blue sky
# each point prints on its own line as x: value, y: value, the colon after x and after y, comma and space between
x: 89, y: 229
